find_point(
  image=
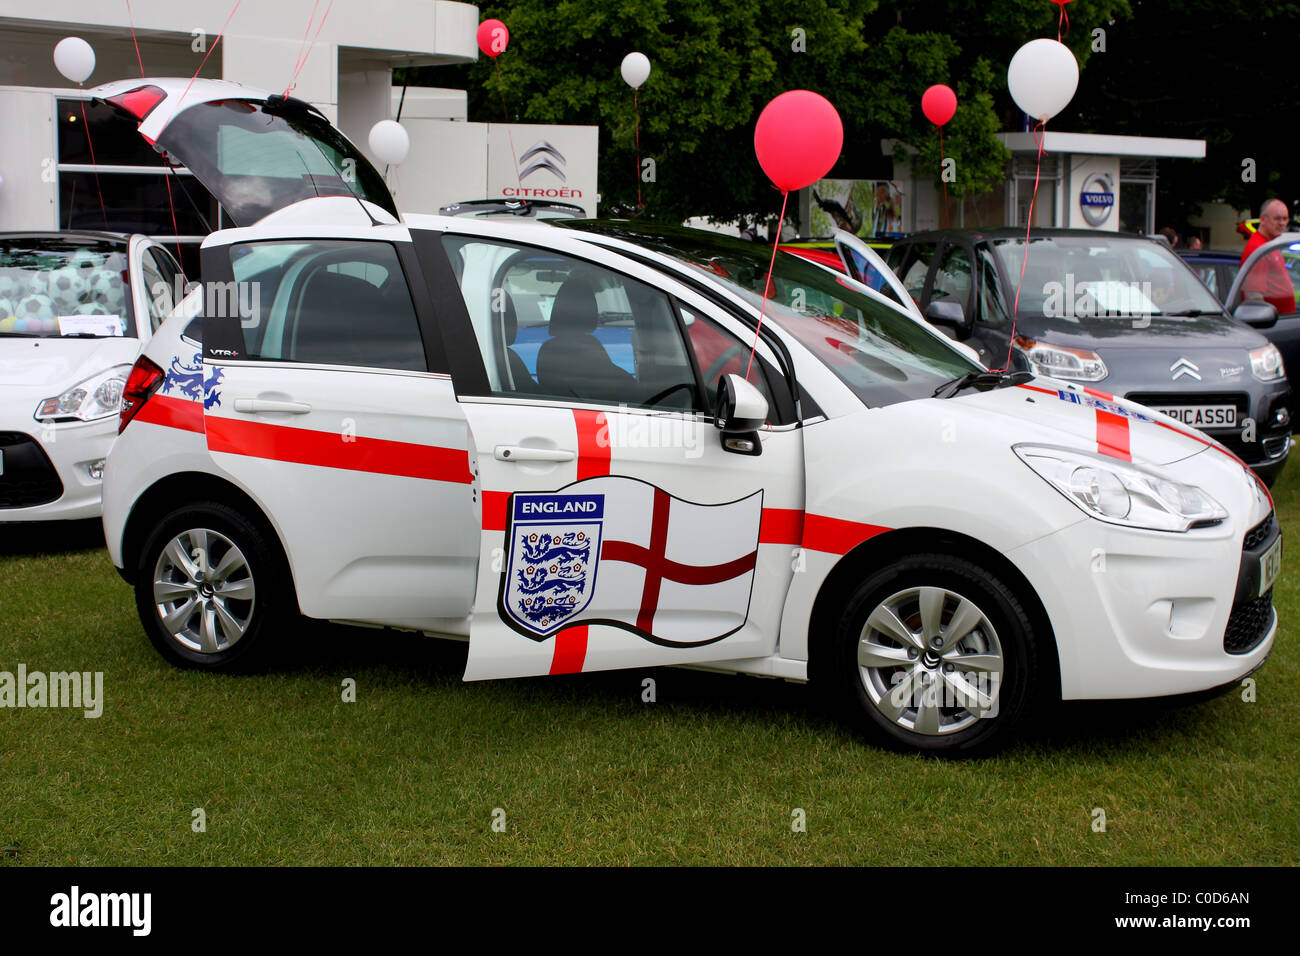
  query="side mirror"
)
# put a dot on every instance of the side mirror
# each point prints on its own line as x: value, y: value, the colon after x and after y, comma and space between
x: 1259, y: 315
x: 739, y: 412
x: 949, y: 313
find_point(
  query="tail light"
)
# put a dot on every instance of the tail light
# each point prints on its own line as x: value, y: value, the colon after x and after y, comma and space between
x: 139, y: 102
x: 145, y: 379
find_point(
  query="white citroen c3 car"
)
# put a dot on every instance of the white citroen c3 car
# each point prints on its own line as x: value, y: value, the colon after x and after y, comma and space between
x: 75, y: 309
x: 550, y: 441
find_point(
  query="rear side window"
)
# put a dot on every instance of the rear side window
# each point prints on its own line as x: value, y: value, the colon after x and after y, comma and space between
x: 324, y: 302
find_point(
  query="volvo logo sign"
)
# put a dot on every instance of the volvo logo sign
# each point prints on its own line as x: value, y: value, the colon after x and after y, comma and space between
x: 1097, y: 199
x: 1183, y: 367
x: 546, y: 157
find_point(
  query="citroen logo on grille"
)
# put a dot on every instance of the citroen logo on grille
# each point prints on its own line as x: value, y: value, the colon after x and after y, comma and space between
x: 546, y: 157
x: 1185, y: 366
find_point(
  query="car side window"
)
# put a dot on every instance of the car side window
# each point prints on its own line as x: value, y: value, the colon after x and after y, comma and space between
x: 324, y: 302
x: 993, y: 306
x: 915, y: 267
x: 718, y: 353
x: 952, y: 279
x: 1207, y: 273
x: 554, y: 327
x: 159, y: 271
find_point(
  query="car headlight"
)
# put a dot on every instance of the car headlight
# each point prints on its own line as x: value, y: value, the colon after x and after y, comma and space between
x: 96, y: 397
x: 1266, y: 363
x: 1121, y: 493
x: 1062, y: 361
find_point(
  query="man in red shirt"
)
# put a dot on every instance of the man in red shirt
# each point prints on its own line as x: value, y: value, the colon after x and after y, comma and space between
x: 1269, y: 280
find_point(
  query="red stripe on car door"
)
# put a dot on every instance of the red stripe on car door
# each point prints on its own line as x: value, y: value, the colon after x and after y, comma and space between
x: 305, y: 446
x: 593, y: 462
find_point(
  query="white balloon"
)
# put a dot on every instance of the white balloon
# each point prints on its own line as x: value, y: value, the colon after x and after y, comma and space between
x: 635, y: 69
x: 389, y: 142
x: 74, y: 59
x: 1042, y: 78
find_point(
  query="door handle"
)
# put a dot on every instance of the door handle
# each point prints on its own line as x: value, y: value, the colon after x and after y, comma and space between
x: 524, y: 453
x: 255, y: 406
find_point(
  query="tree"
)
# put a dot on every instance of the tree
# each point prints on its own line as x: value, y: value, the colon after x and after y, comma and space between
x: 1202, y: 69
x: 716, y: 63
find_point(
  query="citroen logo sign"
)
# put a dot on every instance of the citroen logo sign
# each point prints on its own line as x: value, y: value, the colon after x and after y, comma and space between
x: 1183, y: 367
x: 545, y: 156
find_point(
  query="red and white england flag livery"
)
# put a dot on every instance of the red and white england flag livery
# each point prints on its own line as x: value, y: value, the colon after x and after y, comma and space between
x: 622, y: 552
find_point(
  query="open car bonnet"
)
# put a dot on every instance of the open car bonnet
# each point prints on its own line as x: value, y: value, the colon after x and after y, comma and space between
x: 256, y: 152
x: 1094, y: 420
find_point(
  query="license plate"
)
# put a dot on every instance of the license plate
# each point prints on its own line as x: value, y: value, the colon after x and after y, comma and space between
x: 1270, y: 565
x: 1203, y: 416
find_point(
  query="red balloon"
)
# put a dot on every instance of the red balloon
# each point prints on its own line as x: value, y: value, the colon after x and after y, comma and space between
x: 939, y: 103
x: 493, y: 37
x: 798, y: 139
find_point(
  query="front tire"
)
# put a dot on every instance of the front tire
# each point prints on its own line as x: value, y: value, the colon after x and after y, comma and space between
x: 212, y: 589
x: 933, y: 654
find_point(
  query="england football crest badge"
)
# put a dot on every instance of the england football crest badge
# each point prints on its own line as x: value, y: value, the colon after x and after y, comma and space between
x: 550, y: 573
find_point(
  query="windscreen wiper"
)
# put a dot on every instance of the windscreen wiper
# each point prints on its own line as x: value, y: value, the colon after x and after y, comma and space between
x: 1002, y: 379
x: 1189, y: 313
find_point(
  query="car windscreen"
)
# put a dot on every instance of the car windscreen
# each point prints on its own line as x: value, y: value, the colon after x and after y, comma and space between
x: 256, y: 160
x: 1102, y: 278
x: 883, y: 355
x: 58, y: 286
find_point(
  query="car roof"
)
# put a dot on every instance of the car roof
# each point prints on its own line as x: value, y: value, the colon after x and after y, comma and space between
x: 87, y: 234
x: 1010, y: 232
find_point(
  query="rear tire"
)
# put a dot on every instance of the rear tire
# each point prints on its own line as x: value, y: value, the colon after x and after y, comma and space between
x: 212, y: 589
x: 933, y: 654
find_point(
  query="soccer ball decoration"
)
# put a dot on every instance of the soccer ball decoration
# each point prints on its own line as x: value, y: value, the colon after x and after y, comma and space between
x: 107, y: 290
x: 67, y: 286
x: 35, y: 307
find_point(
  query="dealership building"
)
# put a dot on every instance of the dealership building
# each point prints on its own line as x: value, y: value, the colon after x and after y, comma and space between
x: 339, y: 57
x: 1085, y: 181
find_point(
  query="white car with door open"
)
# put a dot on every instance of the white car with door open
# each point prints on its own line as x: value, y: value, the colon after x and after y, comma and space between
x: 550, y: 441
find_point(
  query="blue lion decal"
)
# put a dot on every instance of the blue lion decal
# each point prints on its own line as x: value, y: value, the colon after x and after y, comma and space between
x: 189, y: 381
x: 554, y: 577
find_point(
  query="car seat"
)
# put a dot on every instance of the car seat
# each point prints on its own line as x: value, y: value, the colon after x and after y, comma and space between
x: 572, y: 362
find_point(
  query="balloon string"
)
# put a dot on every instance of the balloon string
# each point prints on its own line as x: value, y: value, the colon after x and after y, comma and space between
x: 301, y: 45
x: 636, y: 111
x: 208, y: 54
x: 91, y: 143
x: 944, y: 181
x: 1040, y: 135
x: 1064, y: 17
x: 175, y: 229
x: 767, y: 283
x: 315, y: 36
x: 131, y: 21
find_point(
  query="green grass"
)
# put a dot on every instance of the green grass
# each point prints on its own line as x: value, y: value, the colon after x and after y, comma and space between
x: 585, y: 771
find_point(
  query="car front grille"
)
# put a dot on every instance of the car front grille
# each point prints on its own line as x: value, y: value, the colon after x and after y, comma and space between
x: 1248, y: 624
x: 29, y: 477
x: 1259, y: 534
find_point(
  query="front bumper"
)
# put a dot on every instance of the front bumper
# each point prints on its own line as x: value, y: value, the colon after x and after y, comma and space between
x: 48, y: 469
x: 1147, y: 614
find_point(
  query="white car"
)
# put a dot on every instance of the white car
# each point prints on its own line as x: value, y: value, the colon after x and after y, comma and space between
x: 75, y: 310
x: 549, y: 440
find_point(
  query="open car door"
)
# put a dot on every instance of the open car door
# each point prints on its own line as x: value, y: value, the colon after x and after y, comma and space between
x: 863, y: 263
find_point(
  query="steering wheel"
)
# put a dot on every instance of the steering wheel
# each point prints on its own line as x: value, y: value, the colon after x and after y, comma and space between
x: 664, y: 393
x: 721, y: 361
